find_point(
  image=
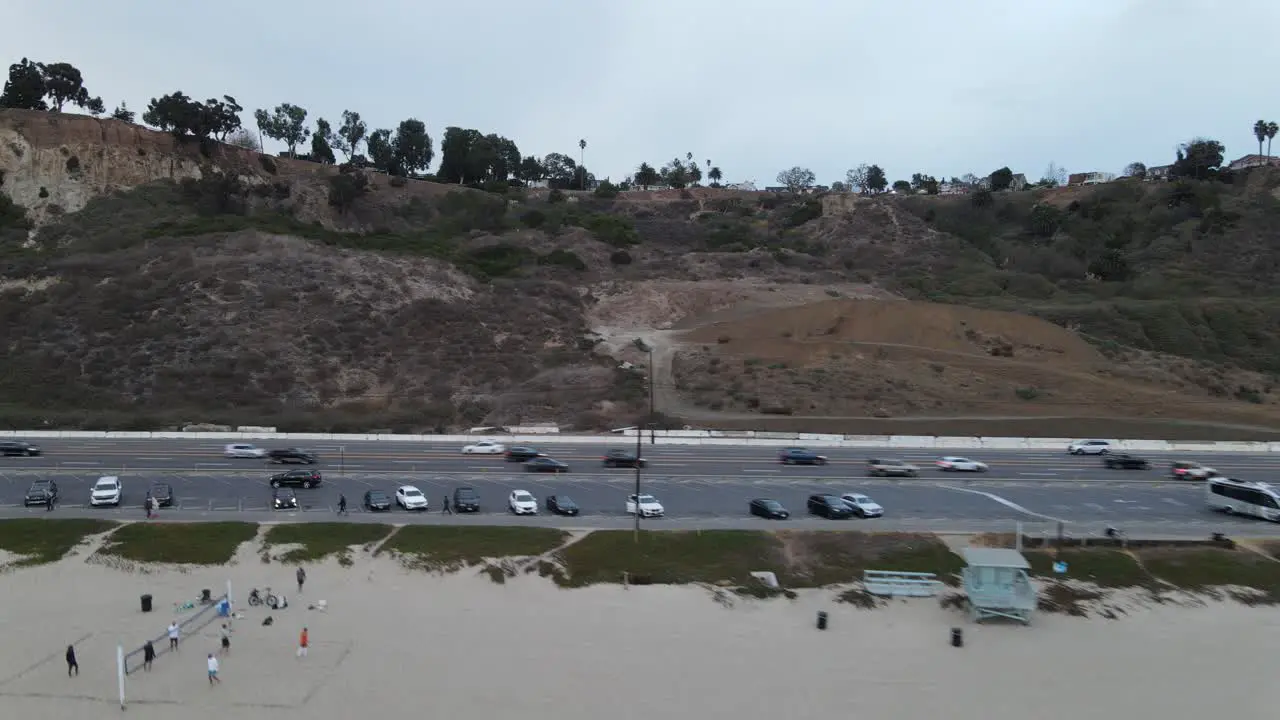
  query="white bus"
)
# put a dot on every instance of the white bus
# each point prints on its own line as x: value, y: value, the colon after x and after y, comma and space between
x: 1241, y: 497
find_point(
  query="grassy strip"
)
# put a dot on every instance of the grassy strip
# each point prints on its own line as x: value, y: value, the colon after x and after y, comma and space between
x: 1202, y: 569
x: 41, y: 541
x: 320, y: 540
x: 433, y: 547
x: 213, y: 543
x: 1103, y: 567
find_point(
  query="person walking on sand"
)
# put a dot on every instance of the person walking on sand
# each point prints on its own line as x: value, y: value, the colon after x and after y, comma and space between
x: 213, y: 670
x: 73, y: 667
x: 173, y: 635
x: 148, y: 656
x: 303, y: 641
x: 302, y: 577
x: 447, y: 510
x: 226, y: 639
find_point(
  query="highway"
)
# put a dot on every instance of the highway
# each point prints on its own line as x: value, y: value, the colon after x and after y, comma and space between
x: 701, y: 487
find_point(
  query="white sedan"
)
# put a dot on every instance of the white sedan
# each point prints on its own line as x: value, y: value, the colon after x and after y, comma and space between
x: 107, y: 491
x: 952, y: 463
x: 646, y: 506
x: 862, y: 506
x: 484, y: 447
x: 522, y: 502
x: 411, y: 498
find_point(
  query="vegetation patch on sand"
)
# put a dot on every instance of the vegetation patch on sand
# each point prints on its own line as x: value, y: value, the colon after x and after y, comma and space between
x: 40, y: 541
x: 447, y: 549
x: 316, y: 541
x: 211, y: 543
x: 799, y: 559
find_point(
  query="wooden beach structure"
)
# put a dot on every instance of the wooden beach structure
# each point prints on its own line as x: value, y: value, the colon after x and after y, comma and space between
x: 998, y: 584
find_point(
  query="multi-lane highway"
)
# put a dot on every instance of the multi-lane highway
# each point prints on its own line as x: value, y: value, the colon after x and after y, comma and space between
x: 700, y: 486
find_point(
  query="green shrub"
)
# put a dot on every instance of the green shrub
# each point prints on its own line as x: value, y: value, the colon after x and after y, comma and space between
x: 563, y: 258
x: 556, y: 196
x: 620, y: 257
x: 534, y: 219
x: 606, y: 190
x: 614, y: 230
x: 801, y: 213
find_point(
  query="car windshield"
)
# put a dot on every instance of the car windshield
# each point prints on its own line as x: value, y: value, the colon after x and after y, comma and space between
x: 524, y: 497
x: 647, y: 499
x: 772, y: 504
x: 160, y: 490
x: 412, y: 492
x: 105, y: 486
x: 859, y: 499
x: 39, y: 484
x: 564, y: 501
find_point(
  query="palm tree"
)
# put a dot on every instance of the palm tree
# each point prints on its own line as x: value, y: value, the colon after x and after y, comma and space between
x: 1272, y: 127
x: 582, y: 163
x: 1260, y: 132
x: 714, y: 175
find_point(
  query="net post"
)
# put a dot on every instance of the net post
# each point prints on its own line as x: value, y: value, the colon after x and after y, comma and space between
x: 120, y: 672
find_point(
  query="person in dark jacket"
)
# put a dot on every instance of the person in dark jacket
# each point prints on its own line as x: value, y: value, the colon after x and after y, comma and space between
x: 73, y: 667
x: 148, y: 656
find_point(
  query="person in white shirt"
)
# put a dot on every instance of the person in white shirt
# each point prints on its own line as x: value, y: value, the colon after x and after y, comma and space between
x: 173, y: 636
x: 213, y: 670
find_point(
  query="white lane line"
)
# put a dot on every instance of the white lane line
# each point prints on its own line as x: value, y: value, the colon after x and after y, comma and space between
x: 762, y: 471
x: 1171, y: 501
x: 1040, y: 474
x: 668, y: 464
x: 1005, y: 502
x: 95, y: 464
x: 149, y: 457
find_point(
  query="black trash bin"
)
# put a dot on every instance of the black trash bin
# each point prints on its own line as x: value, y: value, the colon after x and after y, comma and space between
x: 822, y: 620
x: 146, y: 603
x: 957, y: 637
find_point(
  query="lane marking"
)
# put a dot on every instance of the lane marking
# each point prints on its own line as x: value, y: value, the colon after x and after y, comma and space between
x: 750, y: 471
x: 1171, y: 501
x: 1040, y: 474
x: 1005, y: 502
x: 92, y: 464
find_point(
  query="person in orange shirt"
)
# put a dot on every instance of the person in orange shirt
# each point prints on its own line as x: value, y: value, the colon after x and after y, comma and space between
x: 303, y: 641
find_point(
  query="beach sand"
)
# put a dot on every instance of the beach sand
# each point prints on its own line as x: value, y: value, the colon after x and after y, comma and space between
x: 396, y: 643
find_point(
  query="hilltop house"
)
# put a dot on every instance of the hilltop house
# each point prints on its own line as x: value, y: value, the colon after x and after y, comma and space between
x: 1019, y: 182
x: 1159, y: 172
x: 1253, y: 161
x: 1090, y: 178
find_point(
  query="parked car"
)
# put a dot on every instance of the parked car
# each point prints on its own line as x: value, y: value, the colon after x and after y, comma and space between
x: 106, y: 491
x: 1125, y: 461
x: 162, y: 492
x: 766, y: 508
x: 1189, y: 470
x: 645, y: 505
x: 623, y: 458
x: 891, y: 468
x: 522, y: 502
x: 283, y: 499
x: 801, y: 456
x: 484, y: 447
x: 466, y: 500
x: 376, y: 501
x: 40, y: 492
x: 828, y: 506
x: 411, y: 498
x: 546, y: 464
x: 562, y: 505
x: 243, y: 450
x: 20, y: 448
x: 297, y: 478
x: 862, y: 506
x: 952, y: 463
x: 1089, y: 447
x: 292, y: 455
x: 521, y: 453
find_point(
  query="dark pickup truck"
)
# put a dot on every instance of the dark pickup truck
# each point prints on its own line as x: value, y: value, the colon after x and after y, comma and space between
x: 1125, y: 462
x: 292, y: 455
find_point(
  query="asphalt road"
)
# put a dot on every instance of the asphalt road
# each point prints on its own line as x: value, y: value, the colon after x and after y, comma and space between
x: 701, y: 487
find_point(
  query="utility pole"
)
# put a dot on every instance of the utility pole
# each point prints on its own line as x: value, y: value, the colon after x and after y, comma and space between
x: 636, y: 505
x: 653, y: 379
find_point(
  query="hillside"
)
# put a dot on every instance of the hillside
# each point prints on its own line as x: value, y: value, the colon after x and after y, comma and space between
x: 145, y: 284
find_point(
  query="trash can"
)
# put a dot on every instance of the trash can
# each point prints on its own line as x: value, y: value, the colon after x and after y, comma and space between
x: 822, y: 620
x: 957, y: 637
x: 146, y: 603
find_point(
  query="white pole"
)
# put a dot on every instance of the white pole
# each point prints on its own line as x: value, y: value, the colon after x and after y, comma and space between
x: 120, y: 672
x: 1018, y: 537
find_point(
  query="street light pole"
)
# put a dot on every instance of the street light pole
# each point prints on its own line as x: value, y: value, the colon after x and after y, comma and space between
x: 653, y: 379
x: 636, y: 505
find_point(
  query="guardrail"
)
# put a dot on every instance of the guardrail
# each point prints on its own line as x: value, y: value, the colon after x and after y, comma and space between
x: 901, y: 584
x: 685, y: 437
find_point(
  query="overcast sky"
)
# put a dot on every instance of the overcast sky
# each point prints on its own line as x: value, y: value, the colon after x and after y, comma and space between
x: 938, y: 86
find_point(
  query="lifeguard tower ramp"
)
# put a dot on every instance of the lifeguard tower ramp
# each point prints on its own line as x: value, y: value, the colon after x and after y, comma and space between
x: 998, y: 585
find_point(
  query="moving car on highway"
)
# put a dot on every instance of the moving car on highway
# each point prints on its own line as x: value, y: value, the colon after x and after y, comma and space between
x: 376, y: 501
x: 1240, y: 497
x: 522, y: 502
x: 801, y: 456
x: 521, y: 453
x: 562, y: 505
x: 952, y: 463
x: 891, y: 468
x: 1125, y: 461
x: 545, y: 464
x: 862, y: 506
x: 162, y: 493
x: 768, y: 508
x: 106, y: 491
x: 296, y: 478
x: 1190, y: 470
x: 623, y: 458
x: 484, y: 447
x: 646, y: 505
x: 40, y: 492
x: 828, y: 506
x: 411, y: 498
x: 243, y: 450
x: 19, y: 447
x: 466, y: 500
x: 1089, y: 447
x: 292, y: 455
x: 283, y: 499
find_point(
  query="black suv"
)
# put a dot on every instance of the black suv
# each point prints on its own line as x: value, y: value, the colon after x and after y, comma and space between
x: 18, y: 447
x: 376, y: 501
x: 562, y: 505
x: 40, y: 492
x: 466, y: 499
x: 292, y: 455
x: 162, y: 493
x: 829, y: 506
x: 520, y: 454
x: 296, y: 478
x: 1125, y: 462
x: 766, y: 508
x: 283, y: 499
x: 623, y: 458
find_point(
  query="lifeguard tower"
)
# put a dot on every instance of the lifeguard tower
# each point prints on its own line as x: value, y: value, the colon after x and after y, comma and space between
x: 998, y: 585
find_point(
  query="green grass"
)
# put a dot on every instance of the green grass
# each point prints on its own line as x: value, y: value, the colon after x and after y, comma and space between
x: 213, y: 543
x: 1200, y: 569
x: 320, y: 540
x: 42, y: 541
x: 433, y: 547
x: 1103, y: 567
x: 668, y: 557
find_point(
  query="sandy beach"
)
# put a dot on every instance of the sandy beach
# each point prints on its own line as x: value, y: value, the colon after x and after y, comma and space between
x: 399, y: 643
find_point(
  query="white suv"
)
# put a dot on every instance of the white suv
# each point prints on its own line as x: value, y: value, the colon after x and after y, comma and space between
x: 241, y: 450
x: 1089, y: 447
x: 107, y: 491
